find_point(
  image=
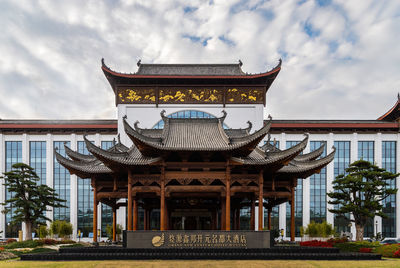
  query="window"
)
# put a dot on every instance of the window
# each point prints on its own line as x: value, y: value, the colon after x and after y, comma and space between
x: 318, y: 189
x: 37, y: 159
x: 341, y: 162
x: 186, y: 114
x: 366, y: 152
x: 106, y: 211
x: 85, y: 199
x: 61, y: 184
x: 298, y: 204
x: 13, y: 156
x: 389, y: 203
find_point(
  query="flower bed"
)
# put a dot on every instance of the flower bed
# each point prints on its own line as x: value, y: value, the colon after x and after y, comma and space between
x: 316, y: 243
x: 389, y: 250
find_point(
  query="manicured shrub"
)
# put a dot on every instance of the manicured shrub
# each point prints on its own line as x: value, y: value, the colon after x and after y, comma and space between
x: 61, y: 228
x: 1, y: 249
x: 314, y: 229
x: 67, y: 241
x: 42, y: 231
x: 316, y: 243
x: 49, y: 241
x: 25, y: 244
x: 356, y: 246
x: 11, y: 240
x: 109, y: 231
x: 388, y: 250
x: 397, y: 254
x: 365, y: 250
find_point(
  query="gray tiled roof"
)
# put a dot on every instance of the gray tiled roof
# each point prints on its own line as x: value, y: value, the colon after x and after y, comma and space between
x: 83, y: 169
x: 190, y: 69
x: 199, y: 134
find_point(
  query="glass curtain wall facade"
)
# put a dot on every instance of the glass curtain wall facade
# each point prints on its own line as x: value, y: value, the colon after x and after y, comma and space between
x: 37, y: 159
x: 298, y: 205
x: 13, y: 155
x: 85, y: 200
x: 106, y: 211
x: 318, y: 189
x: 61, y: 183
x: 389, y: 203
x: 186, y: 114
x: 366, y: 151
x: 341, y: 162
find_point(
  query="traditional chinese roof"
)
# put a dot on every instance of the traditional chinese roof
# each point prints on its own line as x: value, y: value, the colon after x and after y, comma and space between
x: 183, y: 134
x: 182, y: 73
x: 394, y: 113
x: 152, y: 146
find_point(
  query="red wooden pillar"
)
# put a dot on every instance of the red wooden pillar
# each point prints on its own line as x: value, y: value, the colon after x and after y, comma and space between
x: 145, y: 219
x: 162, y: 200
x: 228, y: 199
x: 130, y: 218
x: 114, y: 210
x: 260, y: 200
x: 269, y: 218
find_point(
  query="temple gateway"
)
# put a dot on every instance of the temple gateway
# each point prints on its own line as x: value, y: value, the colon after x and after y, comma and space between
x: 196, y: 172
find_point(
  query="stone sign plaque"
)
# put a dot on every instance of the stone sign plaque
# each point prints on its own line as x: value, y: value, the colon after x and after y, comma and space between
x: 197, y: 239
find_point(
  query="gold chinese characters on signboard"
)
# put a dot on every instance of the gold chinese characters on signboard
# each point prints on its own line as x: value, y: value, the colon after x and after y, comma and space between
x: 173, y: 95
x: 216, y: 240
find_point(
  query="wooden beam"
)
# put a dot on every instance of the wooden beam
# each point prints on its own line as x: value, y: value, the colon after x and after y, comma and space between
x: 130, y: 184
x: 112, y: 195
x: 115, y: 185
x: 169, y: 175
x: 194, y: 188
x: 228, y: 198
x: 244, y: 189
x: 277, y: 195
x: 260, y: 200
x: 197, y: 165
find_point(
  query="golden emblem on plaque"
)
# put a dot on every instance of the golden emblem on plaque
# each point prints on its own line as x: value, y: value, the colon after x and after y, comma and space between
x: 157, y: 240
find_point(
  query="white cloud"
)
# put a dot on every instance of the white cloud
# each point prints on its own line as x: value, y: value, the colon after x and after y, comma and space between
x: 339, y: 61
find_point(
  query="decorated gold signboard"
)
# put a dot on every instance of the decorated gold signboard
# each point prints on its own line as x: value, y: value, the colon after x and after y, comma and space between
x: 216, y: 240
x: 172, y: 95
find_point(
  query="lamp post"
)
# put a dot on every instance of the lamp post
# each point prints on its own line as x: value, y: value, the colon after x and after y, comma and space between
x: 376, y: 230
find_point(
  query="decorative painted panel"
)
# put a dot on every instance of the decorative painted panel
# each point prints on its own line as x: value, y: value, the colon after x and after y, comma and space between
x: 190, y: 95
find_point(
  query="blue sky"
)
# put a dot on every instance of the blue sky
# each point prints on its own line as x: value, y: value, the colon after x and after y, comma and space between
x: 341, y: 59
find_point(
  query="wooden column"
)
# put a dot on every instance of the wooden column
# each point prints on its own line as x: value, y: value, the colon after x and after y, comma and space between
x: 162, y: 200
x: 223, y: 210
x: 260, y: 200
x: 228, y: 199
x: 135, y: 214
x: 292, y: 227
x: 269, y: 218
x: 252, y: 214
x: 94, y: 210
x: 114, y: 210
x: 130, y: 183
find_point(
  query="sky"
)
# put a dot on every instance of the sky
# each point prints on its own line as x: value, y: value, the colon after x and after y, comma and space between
x: 341, y: 58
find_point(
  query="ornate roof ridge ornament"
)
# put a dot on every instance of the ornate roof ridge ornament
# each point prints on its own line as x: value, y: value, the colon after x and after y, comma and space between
x: 250, y: 125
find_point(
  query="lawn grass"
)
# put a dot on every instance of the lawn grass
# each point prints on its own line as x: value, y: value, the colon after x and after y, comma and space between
x: 203, y: 264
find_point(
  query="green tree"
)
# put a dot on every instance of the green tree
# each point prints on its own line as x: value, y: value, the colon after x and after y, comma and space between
x: 360, y: 193
x: 29, y: 201
x: 61, y: 228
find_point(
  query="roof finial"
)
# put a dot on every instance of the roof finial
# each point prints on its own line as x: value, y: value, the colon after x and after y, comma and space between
x: 224, y: 115
x: 136, y: 125
x: 114, y: 141
x: 270, y: 117
x: 250, y: 126
x: 119, y: 138
x: 102, y: 62
x: 398, y: 96
x: 139, y: 62
x: 240, y: 63
x: 125, y: 117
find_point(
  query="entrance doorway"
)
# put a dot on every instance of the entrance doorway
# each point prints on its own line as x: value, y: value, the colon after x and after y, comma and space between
x: 191, y: 219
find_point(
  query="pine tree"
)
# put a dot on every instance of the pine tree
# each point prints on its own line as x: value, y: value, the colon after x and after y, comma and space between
x: 360, y: 193
x: 29, y: 201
